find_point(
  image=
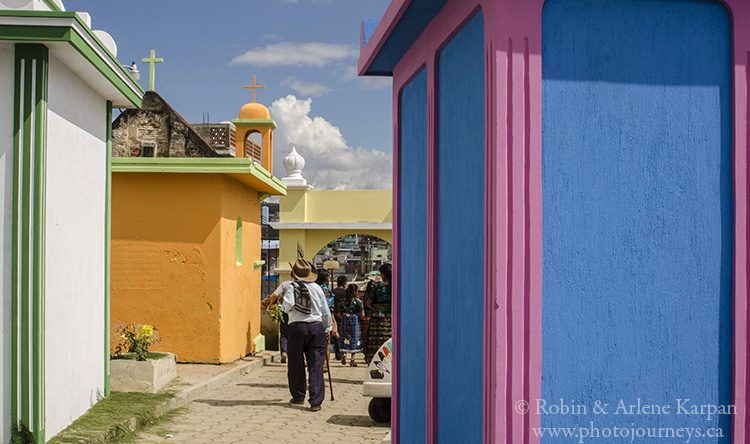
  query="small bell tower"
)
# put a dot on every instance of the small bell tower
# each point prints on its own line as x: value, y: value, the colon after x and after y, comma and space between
x: 255, y: 118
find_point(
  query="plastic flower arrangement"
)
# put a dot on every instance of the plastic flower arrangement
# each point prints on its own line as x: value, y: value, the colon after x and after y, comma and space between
x: 136, y: 338
x: 273, y: 309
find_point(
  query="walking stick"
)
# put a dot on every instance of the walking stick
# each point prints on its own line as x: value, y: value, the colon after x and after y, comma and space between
x: 328, y: 366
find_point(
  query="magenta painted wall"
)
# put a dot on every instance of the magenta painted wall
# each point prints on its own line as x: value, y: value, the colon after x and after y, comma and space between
x: 513, y: 69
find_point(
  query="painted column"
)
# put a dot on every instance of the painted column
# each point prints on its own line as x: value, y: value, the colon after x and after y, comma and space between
x: 30, y: 134
x: 516, y: 219
x: 740, y: 13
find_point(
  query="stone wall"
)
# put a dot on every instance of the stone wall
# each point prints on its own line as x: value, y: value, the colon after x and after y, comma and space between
x: 158, y: 127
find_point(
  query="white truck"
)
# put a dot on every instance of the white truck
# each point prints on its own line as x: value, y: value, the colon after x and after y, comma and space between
x: 377, y: 383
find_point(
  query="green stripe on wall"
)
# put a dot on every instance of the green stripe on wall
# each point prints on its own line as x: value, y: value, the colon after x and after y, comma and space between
x: 30, y: 105
x: 107, y: 248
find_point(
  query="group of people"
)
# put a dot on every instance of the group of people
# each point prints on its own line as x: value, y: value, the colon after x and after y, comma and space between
x: 363, y: 325
x: 315, y: 315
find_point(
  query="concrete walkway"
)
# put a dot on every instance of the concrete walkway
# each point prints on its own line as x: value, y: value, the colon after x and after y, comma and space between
x: 254, y: 409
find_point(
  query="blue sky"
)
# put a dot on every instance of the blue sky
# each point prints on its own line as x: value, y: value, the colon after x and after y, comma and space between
x: 304, y: 51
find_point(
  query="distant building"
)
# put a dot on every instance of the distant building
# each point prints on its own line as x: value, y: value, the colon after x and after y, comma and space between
x: 157, y: 130
x: 347, y: 251
x: 221, y: 136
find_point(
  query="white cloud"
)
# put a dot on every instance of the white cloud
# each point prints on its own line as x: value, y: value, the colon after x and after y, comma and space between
x: 330, y: 163
x: 297, y: 54
x: 297, y: 1
x: 305, y: 88
x: 271, y: 36
x: 349, y: 74
x: 372, y: 83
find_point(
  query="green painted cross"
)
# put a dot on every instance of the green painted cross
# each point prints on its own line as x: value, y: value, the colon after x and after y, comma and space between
x: 151, y: 71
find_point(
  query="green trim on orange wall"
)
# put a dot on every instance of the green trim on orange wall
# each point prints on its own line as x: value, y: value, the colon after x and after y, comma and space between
x: 238, y: 241
x: 257, y: 265
x: 112, y: 71
x: 29, y: 218
x: 217, y: 165
x: 107, y: 247
x: 261, y: 122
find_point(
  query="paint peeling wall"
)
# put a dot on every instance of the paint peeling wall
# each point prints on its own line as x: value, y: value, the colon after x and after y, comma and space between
x: 76, y: 176
x: 165, y: 255
x: 6, y: 231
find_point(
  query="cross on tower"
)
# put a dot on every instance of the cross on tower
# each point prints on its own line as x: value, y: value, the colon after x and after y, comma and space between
x: 151, y: 71
x: 254, y: 87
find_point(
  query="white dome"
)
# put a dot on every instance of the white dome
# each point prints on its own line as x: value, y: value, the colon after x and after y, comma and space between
x: 294, y: 163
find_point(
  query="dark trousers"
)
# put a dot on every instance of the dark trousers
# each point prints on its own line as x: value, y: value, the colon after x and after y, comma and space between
x: 308, y: 340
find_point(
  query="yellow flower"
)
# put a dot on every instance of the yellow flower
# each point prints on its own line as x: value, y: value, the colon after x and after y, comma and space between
x: 147, y: 330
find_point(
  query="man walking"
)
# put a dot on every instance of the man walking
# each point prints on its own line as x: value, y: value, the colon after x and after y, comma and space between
x: 309, y: 321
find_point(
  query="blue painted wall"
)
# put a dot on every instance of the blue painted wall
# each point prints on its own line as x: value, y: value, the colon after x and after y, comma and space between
x: 461, y: 149
x: 413, y: 251
x: 637, y: 209
x: 418, y: 14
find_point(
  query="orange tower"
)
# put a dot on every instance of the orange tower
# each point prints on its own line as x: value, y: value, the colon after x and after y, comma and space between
x: 255, y: 118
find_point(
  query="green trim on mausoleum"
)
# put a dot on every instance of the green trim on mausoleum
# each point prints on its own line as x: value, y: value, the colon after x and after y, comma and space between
x: 28, y: 242
x: 260, y: 122
x: 107, y: 248
x: 48, y: 29
x: 232, y: 166
x: 52, y: 5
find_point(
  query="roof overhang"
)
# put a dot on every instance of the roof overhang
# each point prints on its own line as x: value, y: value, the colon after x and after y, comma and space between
x: 244, y: 170
x: 383, y: 45
x: 72, y: 42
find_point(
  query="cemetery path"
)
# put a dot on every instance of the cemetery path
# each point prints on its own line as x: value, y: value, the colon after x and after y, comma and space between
x: 254, y: 409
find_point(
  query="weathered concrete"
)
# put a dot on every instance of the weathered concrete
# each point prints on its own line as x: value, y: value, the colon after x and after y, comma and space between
x: 150, y: 376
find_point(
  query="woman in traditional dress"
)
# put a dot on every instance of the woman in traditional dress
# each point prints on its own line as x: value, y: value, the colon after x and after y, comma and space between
x: 351, y: 310
x: 378, y: 298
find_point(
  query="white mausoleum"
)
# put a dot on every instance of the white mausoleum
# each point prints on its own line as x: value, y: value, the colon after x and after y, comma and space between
x: 59, y: 81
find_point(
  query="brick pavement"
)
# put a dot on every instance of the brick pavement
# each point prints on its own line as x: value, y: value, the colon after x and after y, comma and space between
x: 255, y: 409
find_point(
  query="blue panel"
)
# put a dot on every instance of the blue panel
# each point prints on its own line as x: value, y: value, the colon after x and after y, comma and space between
x: 461, y: 235
x: 415, y: 19
x: 413, y: 250
x: 637, y: 211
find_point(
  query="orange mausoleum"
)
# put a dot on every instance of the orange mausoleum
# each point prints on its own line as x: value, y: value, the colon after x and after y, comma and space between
x: 186, y: 247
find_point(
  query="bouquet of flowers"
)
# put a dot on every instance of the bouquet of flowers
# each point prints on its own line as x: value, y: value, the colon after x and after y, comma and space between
x: 135, y: 338
x: 274, y: 310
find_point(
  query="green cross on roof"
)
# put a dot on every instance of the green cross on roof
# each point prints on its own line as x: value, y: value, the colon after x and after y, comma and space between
x: 151, y: 71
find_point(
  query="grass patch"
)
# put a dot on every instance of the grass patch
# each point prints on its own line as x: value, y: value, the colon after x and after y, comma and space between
x: 160, y: 427
x: 109, y: 416
x: 133, y: 356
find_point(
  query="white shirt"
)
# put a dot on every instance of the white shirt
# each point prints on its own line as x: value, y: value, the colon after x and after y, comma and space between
x: 281, y: 289
x: 318, y: 305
